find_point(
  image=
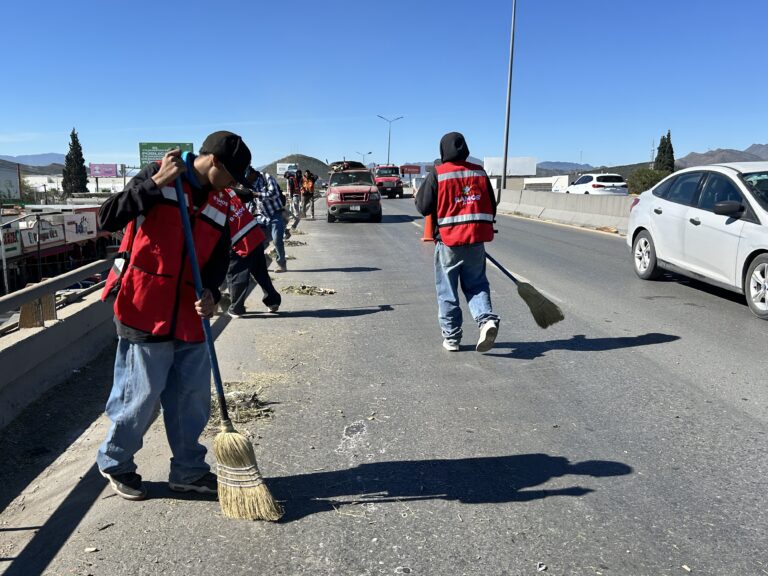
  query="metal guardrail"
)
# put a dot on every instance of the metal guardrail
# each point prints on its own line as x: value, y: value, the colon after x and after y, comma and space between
x: 16, y: 299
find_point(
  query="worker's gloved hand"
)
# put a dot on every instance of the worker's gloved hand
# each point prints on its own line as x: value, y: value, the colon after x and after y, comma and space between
x: 205, y: 306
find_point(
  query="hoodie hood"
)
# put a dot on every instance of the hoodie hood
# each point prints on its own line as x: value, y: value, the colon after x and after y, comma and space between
x: 453, y: 147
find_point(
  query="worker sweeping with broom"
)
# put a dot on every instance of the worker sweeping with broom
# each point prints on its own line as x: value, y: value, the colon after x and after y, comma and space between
x: 459, y: 196
x: 165, y: 350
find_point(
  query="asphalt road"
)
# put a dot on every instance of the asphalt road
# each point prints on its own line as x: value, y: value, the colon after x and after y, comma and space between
x: 629, y: 439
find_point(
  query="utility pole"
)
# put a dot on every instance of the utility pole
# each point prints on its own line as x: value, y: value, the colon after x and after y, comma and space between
x: 509, y: 97
x: 389, y: 133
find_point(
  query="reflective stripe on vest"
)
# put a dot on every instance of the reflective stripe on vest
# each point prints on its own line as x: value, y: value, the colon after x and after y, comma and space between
x: 214, y: 214
x: 169, y: 193
x: 462, y: 218
x: 460, y: 174
x: 243, y: 231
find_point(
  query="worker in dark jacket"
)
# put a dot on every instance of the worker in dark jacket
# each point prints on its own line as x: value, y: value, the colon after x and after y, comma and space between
x: 161, y: 355
x: 459, y: 197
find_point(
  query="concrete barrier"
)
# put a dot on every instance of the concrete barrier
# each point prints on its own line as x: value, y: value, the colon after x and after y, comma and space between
x: 588, y: 210
x: 34, y: 360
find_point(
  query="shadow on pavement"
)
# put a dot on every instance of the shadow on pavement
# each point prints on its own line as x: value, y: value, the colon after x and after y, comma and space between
x: 486, y: 480
x: 349, y: 269
x: 50, y: 538
x: 331, y: 312
x: 579, y: 343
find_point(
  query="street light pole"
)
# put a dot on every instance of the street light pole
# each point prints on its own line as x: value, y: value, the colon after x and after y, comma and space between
x: 509, y: 95
x: 389, y: 132
x: 364, y: 155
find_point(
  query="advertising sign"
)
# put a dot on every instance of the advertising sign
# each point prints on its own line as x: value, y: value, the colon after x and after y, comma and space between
x: 154, y: 151
x: 79, y: 227
x: 50, y: 235
x: 103, y: 170
x: 11, y: 241
x: 282, y: 167
x: 410, y: 169
x: 9, y: 183
x: 516, y: 165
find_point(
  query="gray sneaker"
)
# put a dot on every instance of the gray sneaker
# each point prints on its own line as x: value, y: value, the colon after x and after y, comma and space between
x: 488, y: 332
x: 128, y: 485
x: 206, y: 484
x: 451, y: 345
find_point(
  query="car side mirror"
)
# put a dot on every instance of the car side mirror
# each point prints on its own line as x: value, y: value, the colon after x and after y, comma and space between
x: 728, y: 208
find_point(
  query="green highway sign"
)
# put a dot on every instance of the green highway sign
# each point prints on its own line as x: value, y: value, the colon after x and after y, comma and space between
x: 154, y: 151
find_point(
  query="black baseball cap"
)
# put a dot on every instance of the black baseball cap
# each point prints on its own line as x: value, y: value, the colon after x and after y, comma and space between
x: 231, y: 151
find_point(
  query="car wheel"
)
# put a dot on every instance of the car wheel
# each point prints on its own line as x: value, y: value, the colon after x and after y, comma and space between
x: 331, y: 218
x: 644, y: 257
x: 756, y: 288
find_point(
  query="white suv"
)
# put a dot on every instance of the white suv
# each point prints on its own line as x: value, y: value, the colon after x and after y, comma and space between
x: 709, y: 223
x: 599, y: 184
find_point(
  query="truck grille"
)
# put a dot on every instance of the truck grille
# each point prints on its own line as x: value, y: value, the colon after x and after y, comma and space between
x: 353, y: 197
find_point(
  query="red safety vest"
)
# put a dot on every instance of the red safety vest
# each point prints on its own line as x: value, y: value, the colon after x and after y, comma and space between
x: 464, y: 207
x: 156, y: 292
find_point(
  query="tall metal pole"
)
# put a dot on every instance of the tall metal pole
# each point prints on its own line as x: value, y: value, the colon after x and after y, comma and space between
x: 509, y: 97
x: 39, y: 263
x: 389, y: 132
x: 2, y: 249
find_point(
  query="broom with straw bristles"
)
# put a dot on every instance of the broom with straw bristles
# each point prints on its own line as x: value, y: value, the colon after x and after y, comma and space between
x: 242, y: 491
x: 544, y: 311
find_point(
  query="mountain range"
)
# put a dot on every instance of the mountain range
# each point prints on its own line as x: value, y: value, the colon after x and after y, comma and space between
x: 52, y: 163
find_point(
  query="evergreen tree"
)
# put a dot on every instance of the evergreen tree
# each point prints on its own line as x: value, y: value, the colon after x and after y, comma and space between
x: 665, y: 154
x: 669, y: 154
x: 660, y: 154
x: 75, y: 178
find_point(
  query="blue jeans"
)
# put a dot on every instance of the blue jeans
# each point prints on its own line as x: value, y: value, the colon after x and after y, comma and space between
x: 465, y: 266
x: 175, y: 374
x: 277, y: 230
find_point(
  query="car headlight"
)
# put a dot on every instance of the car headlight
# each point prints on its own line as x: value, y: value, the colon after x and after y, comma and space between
x: 333, y: 197
x: 374, y: 196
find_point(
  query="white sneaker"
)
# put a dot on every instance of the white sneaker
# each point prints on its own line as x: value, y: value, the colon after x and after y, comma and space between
x: 488, y: 332
x: 451, y: 345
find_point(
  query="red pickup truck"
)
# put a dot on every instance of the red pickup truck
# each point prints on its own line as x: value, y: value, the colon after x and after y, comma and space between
x: 388, y: 180
x: 352, y: 192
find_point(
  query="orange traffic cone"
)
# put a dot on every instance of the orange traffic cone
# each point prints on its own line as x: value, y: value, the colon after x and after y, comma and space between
x: 428, y: 236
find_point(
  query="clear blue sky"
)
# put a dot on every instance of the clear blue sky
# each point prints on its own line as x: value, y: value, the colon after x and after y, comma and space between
x: 596, y: 81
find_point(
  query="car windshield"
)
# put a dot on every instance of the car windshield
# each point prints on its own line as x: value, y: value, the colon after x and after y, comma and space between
x: 351, y: 179
x: 758, y: 183
x: 387, y: 172
x: 611, y: 179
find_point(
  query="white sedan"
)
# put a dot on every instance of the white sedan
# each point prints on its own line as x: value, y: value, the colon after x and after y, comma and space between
x: 599, y: 184
x: 709, y: 223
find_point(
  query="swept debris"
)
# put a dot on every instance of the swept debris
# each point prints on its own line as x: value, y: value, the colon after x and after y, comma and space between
x: 308, y: 290
x: 245, y: 400
x: 294, y: 243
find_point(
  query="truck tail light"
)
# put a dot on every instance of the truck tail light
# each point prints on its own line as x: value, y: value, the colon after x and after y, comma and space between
x: 597, y: 186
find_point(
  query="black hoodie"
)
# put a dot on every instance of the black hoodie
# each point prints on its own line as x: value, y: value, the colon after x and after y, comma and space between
x: 453, y: 148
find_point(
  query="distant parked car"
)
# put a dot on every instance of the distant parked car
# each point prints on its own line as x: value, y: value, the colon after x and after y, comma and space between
x: 709, y: 223
x: 599, y: 184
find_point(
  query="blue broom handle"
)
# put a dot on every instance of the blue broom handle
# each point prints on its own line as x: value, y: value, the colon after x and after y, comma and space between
x: 190, y: 242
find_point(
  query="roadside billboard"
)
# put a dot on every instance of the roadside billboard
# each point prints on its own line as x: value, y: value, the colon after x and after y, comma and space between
x: 154, y: 151
x: 410, y: 169
x: 79, y: 227
x: 103, y: 170
x: 282, y: 167
x: 516, y: 165
x: 9, y: 184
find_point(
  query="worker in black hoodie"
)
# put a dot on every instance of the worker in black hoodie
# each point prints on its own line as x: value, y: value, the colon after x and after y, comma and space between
x: 459, y: 196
